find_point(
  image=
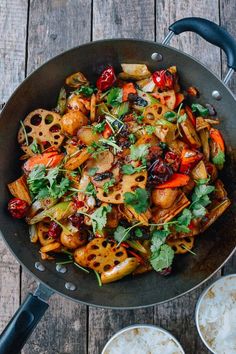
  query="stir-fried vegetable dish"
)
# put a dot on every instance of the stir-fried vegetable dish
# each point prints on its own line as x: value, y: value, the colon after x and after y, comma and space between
x: 121, y: 175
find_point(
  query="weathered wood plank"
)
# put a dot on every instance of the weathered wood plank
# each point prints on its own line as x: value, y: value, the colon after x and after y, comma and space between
x: 55, y: 26
x: 104, y: 323
x: 178, y: 316
x: 134, y: 19
x: 169, y: 11
x: 12, y: 66
x: 118, y: 19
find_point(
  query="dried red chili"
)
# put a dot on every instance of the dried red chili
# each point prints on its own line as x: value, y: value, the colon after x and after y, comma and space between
x: 18, y: 208
x: 163, y: 79
x: 106, y: 79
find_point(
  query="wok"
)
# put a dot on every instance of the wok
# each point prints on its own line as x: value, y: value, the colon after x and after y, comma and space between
x: 40, y: 90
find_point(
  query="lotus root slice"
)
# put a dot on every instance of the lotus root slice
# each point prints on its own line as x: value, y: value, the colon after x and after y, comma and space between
x: 181, y: 246
x: 100, y: 255
x: 43, y: 126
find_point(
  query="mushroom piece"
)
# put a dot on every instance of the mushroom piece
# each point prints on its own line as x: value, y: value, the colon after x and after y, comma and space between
x: 76, y: 80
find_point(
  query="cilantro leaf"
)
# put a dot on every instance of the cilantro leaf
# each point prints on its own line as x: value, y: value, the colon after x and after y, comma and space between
x: 34, y: 147
x: 139, y: 200
x: 121, y: 234
x: 132, y: 138
x: 163, y: 258
x: 199, y: 210
x: 219, y: 159
x: 139, y: 118
x: 150, y: 129
x: 129, y: 169
x: 85, y: 90
x: 170, y: 116
x: 185, y: 217
x: 99, y: 128
x: 138, y: 232
x: 181, y: 118
x: 90, y: 189
x: 138, y: 152
x: 203, y: 111
x: 114, y: 96
x: 99, y: 218
x: 108, y: 184
x: 92, y: 171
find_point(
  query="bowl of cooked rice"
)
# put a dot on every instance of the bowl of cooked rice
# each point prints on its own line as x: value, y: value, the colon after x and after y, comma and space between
x: 216, y: 316
x: 143, y: 339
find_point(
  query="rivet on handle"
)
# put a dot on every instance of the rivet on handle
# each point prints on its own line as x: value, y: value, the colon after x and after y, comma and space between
x: 70, y: 286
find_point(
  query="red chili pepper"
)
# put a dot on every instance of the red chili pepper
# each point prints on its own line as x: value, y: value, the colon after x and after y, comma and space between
x: 137, y: 256
x: 107, y: 131
x: 106, y: 79
x: 173, y: 160
x: 190, y: 115
x: 54, y: 230
x: 18, y: 208
x: 125, y: 244
x: 189, y: 159
x: 163, y: 79
x: 217, y: 138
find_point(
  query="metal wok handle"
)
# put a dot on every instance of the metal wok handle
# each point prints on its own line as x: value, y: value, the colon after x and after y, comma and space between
x: 212, y: 33
x: 24, y: 321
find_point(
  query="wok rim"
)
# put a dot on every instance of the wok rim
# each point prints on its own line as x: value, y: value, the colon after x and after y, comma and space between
x: 28, y: 78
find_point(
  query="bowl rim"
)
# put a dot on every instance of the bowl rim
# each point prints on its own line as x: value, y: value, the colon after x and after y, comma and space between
x: 198, y: 304
x: 138, y: 325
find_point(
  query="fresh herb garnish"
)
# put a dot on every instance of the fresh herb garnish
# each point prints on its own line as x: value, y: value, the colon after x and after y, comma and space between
x: 150, y: 129
x: 51, y: 183
x: 34, y: 147
x: 138, y: 232
x: 198, y: 108
x: 95, y: 149
x: 99, y: 128
x: 139, y: 152
x: 92, y: 171
x: 139, y: 200
x: 111, y: 142
x: 90, y: 189
x: 139, y: 118
x: 170, y: 116
x: 85, y: 90
x: 108, y: 185
x: 114, y: 96
x: 132, y: 138
x: 219, y: 159
x: 98, y: 278
x: 162, y: 257
x: 129, y: 169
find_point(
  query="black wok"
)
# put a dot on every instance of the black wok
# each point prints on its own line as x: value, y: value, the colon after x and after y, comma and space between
x: 39, y: 90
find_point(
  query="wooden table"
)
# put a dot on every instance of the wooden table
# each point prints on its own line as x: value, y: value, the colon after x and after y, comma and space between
x: 31, y: 32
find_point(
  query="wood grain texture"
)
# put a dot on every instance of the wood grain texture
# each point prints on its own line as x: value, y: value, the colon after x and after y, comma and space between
x: 12, y: 67
x: 55, y: 26
x: 189, y: 43
x: 131, y: 19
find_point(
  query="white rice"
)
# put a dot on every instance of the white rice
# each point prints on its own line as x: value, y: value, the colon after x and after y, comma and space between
x: 144, y: 340
x: 217, y: 316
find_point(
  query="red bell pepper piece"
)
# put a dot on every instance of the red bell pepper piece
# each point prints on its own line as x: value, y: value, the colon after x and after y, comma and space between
x: 107, y: 131
x: 127, y: 89
x: 189, y: 159
x: 217, y: 138
x: 163, y: 79
x: 106, y: 79
x: 175, y: 181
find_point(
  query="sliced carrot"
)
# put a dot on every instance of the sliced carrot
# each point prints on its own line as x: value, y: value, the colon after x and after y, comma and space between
x: 179, y: 98
x: 190, y: 115
x: 127, y: 89
x: 107, y: 131
x: 49, y: 159
x: 217, y: 137
x: 176, y: 180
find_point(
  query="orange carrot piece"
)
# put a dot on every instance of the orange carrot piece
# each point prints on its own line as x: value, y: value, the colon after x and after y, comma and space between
x: 190, y: 115
x: 176, y: 180
x: 179, y: 98
x: 217, y: 137
x: 127, y: 89
x: 49, y: 159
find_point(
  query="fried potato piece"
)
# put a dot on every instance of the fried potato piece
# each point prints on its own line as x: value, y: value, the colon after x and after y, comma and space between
x: 100, y: 255
x: 72, y: 121
x: 165, y: 215
x: 42, y: 126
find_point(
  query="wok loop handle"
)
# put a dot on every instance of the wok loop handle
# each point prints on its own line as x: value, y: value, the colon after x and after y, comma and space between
x: 18, y: 330
x: 212, y: 33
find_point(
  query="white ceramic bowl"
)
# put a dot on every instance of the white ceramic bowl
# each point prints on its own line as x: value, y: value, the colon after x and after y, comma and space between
x: 140, y: 326
x: 223, y: 284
